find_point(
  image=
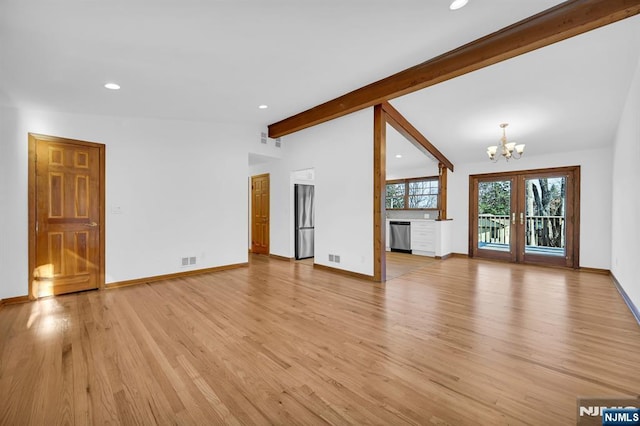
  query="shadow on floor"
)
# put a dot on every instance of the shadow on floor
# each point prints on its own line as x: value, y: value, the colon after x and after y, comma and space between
x: 399, y: 264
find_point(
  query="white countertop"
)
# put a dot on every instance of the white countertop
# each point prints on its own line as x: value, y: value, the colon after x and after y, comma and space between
x: 410, y: 220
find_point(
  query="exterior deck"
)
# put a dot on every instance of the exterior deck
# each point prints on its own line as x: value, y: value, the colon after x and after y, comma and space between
x: 550, y: 251
x: 540, y: 232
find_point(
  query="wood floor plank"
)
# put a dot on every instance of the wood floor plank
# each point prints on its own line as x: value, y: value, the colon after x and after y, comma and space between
x: 452, y: 342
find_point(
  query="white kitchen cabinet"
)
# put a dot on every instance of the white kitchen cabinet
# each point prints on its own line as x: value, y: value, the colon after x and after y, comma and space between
x: 423, y: 237
x: 428, y: 237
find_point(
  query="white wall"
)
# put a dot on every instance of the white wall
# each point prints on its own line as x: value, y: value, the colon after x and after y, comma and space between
x: 341, y: 147
x: 257, y: 149
x: 429, y: 169
x: 183, y: 191
x: 259, y: 158
x: 278, y: 205
x: 625, y: 212
x: 341, y: 152
x: 595, y: 201
x: 13, y: 204
x: 181, y: 187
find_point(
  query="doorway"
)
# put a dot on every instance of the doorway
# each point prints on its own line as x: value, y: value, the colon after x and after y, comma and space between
x: 260, y: 214
x: 527, y: 216
x: 66, y: 215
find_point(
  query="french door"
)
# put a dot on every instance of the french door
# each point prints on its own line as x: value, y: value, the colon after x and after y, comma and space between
x: 529, y: 216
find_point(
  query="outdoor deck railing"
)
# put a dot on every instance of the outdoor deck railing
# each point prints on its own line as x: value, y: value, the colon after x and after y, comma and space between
x: 540, y: 231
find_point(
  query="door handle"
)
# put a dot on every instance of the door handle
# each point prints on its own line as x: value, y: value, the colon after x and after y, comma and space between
x: 521, y: 218
x: 513, y: 218
x: 91, y: 224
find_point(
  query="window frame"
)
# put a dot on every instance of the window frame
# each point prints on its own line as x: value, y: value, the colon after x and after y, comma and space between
x: 406, y: 192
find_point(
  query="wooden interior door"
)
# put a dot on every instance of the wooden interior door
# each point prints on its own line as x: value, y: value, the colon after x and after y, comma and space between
x: 67, y: 194
x: 260, y: 214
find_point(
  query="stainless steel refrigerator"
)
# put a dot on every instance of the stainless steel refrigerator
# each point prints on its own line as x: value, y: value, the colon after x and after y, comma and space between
x: 304, y: 224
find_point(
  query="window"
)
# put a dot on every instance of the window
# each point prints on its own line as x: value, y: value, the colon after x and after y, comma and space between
x: 395, y: 195
x: 423, y: 194
x: 418, y: 193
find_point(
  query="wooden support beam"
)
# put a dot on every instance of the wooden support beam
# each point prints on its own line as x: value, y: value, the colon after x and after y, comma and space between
x: 406, y: 129
x: 558, y: 23
x: 384, y: 113
x: 442, y: 191
x: 379, y: 193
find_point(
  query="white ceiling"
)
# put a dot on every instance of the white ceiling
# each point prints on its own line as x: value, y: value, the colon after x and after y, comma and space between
x: 412, y: 163
x: 565, y: 97
x: 219, y: 59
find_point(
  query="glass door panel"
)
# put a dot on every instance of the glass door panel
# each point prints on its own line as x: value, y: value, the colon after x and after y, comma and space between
x: 544, y: 216
x: 494, y: 215
x: 493, y: 218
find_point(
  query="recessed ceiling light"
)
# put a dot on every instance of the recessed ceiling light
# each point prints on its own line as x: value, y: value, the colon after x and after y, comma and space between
x: 398, y: 155
x: 458, y: 4
x: 263, y: 106
x: 112, y: 86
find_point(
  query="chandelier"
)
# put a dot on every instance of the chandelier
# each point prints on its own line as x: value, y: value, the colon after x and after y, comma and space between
x: 507, y: 149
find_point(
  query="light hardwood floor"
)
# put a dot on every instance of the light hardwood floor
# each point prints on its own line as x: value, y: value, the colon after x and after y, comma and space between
x: 399, y: 264
x: 459, y: 342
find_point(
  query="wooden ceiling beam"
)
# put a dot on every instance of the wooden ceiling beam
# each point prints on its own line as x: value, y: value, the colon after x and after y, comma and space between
x: 413, y: 135
x: 558, y: 23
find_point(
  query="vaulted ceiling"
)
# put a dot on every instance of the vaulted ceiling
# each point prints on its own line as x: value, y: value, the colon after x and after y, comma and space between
x: 218, y: 60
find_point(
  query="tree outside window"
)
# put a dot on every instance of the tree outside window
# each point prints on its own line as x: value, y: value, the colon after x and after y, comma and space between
x: 395, y: 195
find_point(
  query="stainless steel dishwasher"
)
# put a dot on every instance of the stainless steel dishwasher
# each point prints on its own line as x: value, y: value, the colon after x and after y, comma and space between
x: 400, y: 236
